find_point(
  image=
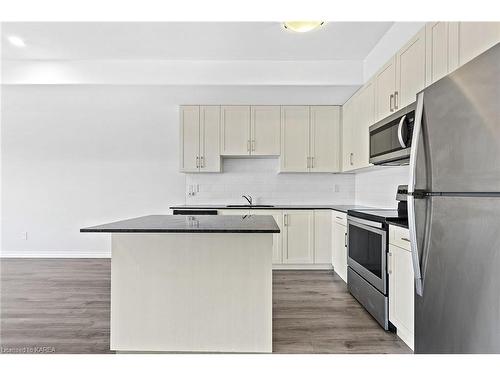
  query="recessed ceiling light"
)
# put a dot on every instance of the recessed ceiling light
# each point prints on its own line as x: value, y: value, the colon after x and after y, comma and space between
x: 16, y: 41
x: 302, y: 26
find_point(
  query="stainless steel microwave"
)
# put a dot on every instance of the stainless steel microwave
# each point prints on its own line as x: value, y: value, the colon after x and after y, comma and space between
x: 390, y: 138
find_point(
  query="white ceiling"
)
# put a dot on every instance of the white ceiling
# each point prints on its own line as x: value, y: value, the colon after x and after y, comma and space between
x: 190, y: 41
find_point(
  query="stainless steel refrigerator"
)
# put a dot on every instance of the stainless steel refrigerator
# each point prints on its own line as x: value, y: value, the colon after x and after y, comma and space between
x: 454, y: 210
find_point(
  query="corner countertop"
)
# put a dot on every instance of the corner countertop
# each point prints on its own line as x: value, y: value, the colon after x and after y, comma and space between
x: 341, y: 208
x: 190, y: 224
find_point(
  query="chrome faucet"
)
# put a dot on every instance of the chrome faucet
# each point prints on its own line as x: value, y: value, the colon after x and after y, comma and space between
x: 248, y: 198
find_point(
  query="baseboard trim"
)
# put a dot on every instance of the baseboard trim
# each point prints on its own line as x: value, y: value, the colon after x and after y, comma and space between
x: 52, y: 254
x: 302, y: 267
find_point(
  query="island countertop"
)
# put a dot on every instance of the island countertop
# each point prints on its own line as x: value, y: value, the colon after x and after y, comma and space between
x: 190, y: 224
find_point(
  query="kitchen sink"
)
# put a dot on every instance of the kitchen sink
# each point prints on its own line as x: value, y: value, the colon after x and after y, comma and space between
x: 249, y: 205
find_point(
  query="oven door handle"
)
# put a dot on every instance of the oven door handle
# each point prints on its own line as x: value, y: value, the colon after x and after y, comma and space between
x: 363, y: 225
x: 400, y: 132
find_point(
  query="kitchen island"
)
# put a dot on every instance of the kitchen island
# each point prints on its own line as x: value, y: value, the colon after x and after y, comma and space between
x: 191, y: 283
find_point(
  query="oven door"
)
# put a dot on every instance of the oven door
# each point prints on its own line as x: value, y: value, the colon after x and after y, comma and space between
x: 367, y: 251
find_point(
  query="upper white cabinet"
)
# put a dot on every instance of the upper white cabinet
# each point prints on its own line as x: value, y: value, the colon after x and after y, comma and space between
x: 250, y: 130
x: 438, y: 54
x: 358, y: 115
x: 294, y: 139
x: 310, y: 139
x: 298, y: 237
x: 235, y: 130
x: 401, y: 78
x: 410, y: 71
x: 199, y: 138
x: 324, y: 139
x: 385, y: 88
x: 476, y: 37
x: 265, y: 130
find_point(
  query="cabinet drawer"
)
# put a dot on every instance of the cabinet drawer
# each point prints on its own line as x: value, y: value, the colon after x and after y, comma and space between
x: 400, y: 237
x: 340, y: 217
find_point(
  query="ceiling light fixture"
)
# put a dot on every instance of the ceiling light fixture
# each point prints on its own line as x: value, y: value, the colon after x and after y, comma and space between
x: 16, y: 41
x: 302, y: 26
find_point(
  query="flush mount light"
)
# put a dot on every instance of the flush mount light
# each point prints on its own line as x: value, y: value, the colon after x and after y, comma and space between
x: 16, y: 41
x: 302, y: 26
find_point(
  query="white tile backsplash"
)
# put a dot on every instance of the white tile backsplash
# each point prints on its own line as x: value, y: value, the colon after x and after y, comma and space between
x: 260, y: 179
x: 377, y: 187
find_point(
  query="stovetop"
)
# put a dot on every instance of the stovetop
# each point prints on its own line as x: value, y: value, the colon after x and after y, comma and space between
x: 381, y: 215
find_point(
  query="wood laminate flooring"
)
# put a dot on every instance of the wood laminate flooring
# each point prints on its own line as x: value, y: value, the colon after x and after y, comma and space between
x: 63, y: 306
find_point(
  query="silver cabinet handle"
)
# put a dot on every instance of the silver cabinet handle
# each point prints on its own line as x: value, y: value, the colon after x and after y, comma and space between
x: 248, y: 145
x: 285, y: 220
x: 312, y: 161
x: 253, y: 144
x: 307, y: 162
x: 345, y: 239
x: 405, y: 239
x: 350, y: 158
x: 197, y: 162
x: 389, y: 263
x: 391, y: 98
x: 202, y: 162
x: 396, y: 94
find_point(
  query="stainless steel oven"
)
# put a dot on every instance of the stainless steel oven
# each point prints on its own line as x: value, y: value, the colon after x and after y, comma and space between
x: 390, y: 138
x: 367, y: 251
x: 367, y: 244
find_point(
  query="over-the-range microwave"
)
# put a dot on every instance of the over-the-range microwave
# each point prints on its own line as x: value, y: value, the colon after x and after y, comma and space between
x: 390, y: 138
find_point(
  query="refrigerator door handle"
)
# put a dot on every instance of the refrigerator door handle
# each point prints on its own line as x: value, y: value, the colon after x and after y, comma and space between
x: 419, y: 288
x: 417, y: 128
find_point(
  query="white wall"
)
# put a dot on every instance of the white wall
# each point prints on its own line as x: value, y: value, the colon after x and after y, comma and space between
x: 259, y: 178
x: 79, y: 155
x: 377, y: 187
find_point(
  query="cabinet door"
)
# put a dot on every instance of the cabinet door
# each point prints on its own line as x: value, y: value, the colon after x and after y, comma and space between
x: 277, y: 237
x: 385, y: 87
x: 363, y: 118
x: 401, y: 292
x: 476, y: 37
x: 437, y: 51
x: 265, y: 130
x: 235, y: 130
x: 410, y: 71
x: 348, y: 115
x: 209, y: 138
x: 322, y: 236
x: 339, y: 258
x: 294, y: 139
x: 189, y: 138
x: 299, y: 237
x: 325, y: 139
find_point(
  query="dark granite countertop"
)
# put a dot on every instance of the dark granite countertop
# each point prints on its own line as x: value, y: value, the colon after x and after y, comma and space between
x: 190, y: 224
x: 341, y: 208
x: 398, y: 222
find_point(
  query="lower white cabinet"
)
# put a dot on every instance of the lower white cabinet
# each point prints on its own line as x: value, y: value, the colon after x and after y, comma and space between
x: 298, y: 237
x: 339, y: 244
x: 277, y: 237
x: 401, y: 285
x: 322, y: 236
